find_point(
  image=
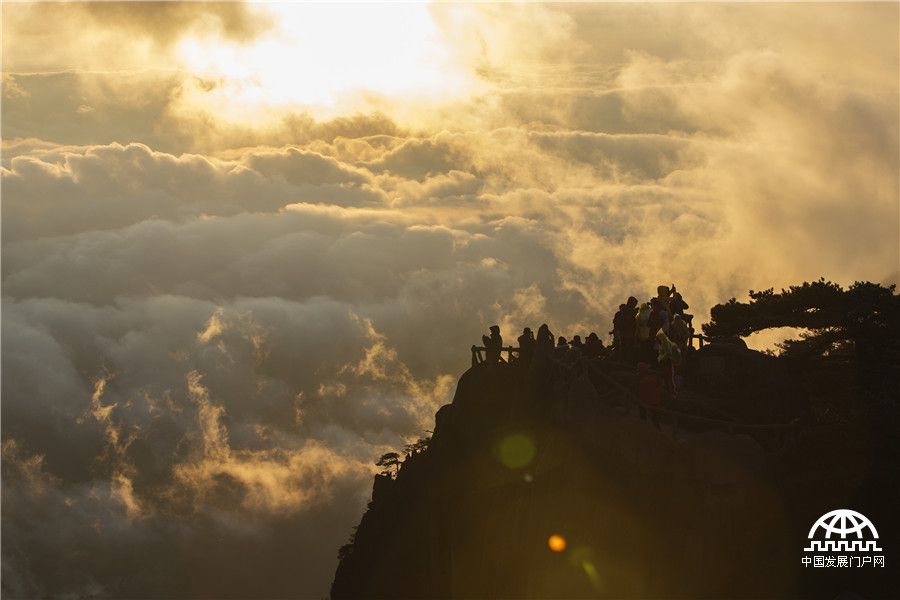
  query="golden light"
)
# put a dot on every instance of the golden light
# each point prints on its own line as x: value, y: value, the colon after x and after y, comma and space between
x: 557, y: 543
x: 326, y: 55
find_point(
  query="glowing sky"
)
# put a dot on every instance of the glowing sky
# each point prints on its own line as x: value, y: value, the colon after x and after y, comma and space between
x: 245, y: 247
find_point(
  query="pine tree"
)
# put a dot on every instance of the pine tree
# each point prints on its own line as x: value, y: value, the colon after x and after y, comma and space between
x: 388, y: 461
x: 861, y: 323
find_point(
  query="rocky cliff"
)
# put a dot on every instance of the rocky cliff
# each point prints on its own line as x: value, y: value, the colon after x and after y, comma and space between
x: 715, y: 500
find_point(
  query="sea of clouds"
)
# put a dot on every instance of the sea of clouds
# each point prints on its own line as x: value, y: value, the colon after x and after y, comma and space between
x: 211, y: 330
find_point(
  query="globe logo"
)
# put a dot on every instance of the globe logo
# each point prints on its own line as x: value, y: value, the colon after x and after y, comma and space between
x: 838, y: 525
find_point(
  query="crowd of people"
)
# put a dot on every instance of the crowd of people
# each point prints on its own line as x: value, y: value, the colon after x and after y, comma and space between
x: 651, y: 337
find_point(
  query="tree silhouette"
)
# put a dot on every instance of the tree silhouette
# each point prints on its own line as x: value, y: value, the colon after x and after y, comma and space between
x: 347, y: 549
x: 420, y: 445
x: 848, y: 357
x: 860, y: 323
x: 389, y: 460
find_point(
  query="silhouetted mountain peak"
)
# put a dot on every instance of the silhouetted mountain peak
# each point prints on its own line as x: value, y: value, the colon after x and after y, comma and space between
x: 528, y: 459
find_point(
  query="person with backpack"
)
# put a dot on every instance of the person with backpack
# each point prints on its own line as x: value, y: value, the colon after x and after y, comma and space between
x: 679, y: 333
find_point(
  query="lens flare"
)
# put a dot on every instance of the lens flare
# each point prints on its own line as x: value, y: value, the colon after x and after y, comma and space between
x: 516, y: 451
x: 591, y: 571
x: 557, y: 543
x: 583, y: 557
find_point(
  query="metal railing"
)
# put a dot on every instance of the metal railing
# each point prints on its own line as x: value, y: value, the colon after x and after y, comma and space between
x: 478, y: 358
x: 676, y: 419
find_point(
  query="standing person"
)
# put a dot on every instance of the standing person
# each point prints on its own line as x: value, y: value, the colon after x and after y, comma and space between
x: 526, y: 346
x: 669, y: 359
x: 664, y: 295
x: 618, y: 325
x: 654, y: 323
x: 647, y: 383
x: 593, y: 347
x: 629, y: 330
x: 492, y: 345
x: 679, y: 333
x: 664, y: 323
x: 677, y: 304
x: 577, y: 343
x: 543, y: 347
x: 642, y: 333
x: 562, y: 346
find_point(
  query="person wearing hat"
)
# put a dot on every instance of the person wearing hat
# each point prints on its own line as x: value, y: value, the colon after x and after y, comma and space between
x: 526, y: 346
x: 493, y: 345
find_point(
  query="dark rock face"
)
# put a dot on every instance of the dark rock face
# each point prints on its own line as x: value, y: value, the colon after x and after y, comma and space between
x: 752, y: 386
x: 520, y: 456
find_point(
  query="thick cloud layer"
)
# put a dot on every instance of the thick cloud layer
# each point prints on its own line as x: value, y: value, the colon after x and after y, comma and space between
x: 53, y: 36
x: 212, y: 328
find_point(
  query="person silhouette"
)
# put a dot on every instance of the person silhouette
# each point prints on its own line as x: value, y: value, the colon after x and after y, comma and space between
x: 647, y: 382
x: 562, y: 346
x: 664, y: 295
x: 543, y: 348
x: 526, y: 346
x: 492, y: 345
x: 669, y: 358
x: 678, y: 306
x: 629, y: 329
x: 593, y: 348
x: 679, y: 333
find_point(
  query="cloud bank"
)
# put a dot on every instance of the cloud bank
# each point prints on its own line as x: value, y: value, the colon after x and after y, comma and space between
x: 212, y: 328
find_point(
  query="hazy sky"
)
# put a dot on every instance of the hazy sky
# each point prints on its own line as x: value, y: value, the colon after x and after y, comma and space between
x: 245, y: 248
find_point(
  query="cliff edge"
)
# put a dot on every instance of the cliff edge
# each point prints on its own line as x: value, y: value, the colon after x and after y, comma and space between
x: 547, y: 482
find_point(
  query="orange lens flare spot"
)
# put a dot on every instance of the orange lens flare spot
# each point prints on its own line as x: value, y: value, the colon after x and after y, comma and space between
x: 557, y: 543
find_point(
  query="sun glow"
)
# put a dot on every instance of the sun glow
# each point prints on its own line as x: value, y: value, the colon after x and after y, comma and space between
x: 325, y: 57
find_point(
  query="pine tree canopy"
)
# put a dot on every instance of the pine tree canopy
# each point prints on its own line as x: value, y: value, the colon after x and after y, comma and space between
x: 861, y: 322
